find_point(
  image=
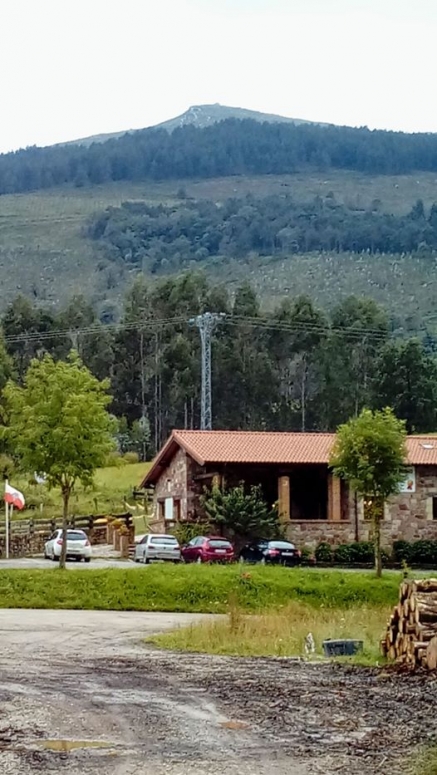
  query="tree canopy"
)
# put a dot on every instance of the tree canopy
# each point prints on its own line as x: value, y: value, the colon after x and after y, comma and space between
x: 370, y: 454
x: 230, y: 147
x: 58, y: 424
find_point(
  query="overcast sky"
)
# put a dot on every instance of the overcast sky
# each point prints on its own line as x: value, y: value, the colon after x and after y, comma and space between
x: 72, y: 68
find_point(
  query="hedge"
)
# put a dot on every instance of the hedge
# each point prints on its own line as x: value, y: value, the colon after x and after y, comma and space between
x: 422, y: 553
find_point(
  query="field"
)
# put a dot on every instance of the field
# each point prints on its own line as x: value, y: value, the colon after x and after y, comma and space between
x: 111, y: 491
x: 45, y: 254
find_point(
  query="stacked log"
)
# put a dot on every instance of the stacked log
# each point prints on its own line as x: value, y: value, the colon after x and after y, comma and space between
x: 411, y: 636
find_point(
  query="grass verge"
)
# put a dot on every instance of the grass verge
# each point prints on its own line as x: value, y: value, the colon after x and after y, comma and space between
x: 283, y: 632
x: 199, y: 589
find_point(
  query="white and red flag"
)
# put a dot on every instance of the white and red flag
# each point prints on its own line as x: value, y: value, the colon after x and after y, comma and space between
x: 14, y: 497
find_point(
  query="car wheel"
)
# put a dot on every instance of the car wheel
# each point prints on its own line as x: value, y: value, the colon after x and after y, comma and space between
x: 136, y: 559
x: 87, y: 559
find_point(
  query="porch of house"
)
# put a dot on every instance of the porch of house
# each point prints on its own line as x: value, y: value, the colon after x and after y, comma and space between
x: 304, y: 493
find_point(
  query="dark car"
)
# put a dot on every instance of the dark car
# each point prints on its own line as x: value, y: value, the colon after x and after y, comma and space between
x: 208, y: 549
x: 271, y: 552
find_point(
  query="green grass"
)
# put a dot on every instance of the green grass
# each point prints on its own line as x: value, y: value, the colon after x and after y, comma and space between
x: 199, y: 589
x: 45, y: 254
x: 425, y: 763
x: 112, y: 488
x: 282, y: 632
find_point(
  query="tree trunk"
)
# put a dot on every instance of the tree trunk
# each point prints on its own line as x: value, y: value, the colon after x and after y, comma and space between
x: 377, y: 541
x: 65, y: 501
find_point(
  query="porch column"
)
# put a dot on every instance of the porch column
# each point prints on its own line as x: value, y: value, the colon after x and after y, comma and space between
x: 284, y: 498
x: 334, y: 498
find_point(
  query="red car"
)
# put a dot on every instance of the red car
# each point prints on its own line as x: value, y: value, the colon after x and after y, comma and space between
x: 208, y: 549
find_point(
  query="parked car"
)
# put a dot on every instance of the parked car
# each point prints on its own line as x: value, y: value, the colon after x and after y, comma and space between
x: 154, y: 546
x: 78, y: 546
x: 271, y: 552
x: 208, y: 549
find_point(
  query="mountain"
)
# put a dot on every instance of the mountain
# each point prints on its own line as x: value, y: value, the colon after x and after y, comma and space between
x: 199, y: 116
x: 205, y: 115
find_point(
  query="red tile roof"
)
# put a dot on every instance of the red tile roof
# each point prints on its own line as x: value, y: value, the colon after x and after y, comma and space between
x: 274, y: 448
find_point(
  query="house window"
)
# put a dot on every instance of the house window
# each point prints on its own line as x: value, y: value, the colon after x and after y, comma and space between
x: 434, y: 507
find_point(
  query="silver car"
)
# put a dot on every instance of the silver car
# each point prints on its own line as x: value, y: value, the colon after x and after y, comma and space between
x: 155, y: 546
x: 78, y: 546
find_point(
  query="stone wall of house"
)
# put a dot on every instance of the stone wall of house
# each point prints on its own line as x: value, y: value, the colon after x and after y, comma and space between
x: 171, y: 484
x: 313, y: 531
x: 409, y: 516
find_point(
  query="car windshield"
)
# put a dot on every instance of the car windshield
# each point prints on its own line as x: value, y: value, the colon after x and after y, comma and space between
x: 76, y: 536
x: 163, y: 540
x: 281, y: 545
x: 218, y: 543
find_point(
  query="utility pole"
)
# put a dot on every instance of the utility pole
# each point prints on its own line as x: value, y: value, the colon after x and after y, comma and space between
x: 206, y: 324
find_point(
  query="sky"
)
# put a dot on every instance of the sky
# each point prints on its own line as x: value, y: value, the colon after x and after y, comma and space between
x: 74, y: 68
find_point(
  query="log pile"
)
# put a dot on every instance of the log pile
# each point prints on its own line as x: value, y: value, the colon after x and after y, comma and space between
x: 412, y: 628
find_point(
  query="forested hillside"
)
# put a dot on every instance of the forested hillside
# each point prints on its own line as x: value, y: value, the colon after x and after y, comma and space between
x: 229, y: 147
x: 291, y: 369
x: 158, y: 237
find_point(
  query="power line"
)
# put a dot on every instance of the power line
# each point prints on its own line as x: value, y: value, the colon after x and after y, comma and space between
x: 231, y: 320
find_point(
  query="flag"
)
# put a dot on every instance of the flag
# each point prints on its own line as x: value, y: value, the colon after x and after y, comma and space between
x: 14, y: 497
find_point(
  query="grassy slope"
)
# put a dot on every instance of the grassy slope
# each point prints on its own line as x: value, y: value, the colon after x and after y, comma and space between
x: 111, y: 487
x: 44, y: 253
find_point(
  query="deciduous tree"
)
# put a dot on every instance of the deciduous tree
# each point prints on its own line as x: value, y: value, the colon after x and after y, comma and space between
x: 58, y: 425
x: 370, y: 453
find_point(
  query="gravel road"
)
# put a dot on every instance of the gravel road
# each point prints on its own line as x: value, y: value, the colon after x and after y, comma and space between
x: 80, y: 693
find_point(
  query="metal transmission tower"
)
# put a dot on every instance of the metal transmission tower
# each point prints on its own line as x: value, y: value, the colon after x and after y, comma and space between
x: 206, y: 324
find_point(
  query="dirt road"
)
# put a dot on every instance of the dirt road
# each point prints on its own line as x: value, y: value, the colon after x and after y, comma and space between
x: 80, y: 694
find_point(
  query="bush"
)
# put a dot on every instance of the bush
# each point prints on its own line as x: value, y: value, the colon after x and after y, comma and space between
x: 324, y: 553
x: 402, y: 551
x: 308, y: 556
x: 423, y: 552
x: 343, y: 554
x: 131, y: 457
x: 185, y: 531
x: 114, y: 459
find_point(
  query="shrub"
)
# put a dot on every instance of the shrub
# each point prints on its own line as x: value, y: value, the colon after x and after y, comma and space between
x: 362, y: 552
x: 402, y: 551
x: 343, y: 554
x: 114, y: 459
x: 185, y: 531
x: 308, y: 555
x: 324, y: 552
x: 424, y: 552
x: 131, y: 457
x: 358, y: 553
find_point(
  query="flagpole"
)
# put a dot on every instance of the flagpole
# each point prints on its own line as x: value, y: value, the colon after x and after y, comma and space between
x: 7, y: 525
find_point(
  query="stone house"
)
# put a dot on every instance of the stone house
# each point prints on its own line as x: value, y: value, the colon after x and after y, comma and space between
x: 292, y: 469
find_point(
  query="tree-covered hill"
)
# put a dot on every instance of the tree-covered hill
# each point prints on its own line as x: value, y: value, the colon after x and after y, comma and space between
x: 47, y: 254
x: 230, y: 147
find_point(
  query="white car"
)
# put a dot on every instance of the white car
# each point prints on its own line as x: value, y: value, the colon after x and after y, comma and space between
x: 155, y: 546
x: 78, y: 546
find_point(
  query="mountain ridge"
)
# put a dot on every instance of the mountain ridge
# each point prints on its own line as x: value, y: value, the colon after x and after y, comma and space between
x: 200, y: 116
